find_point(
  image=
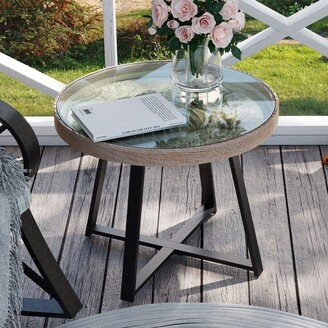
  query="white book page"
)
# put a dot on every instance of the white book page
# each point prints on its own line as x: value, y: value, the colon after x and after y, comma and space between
x: 126, y: 117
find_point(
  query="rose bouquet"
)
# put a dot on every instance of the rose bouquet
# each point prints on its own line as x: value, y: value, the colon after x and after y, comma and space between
x: 192, y: 25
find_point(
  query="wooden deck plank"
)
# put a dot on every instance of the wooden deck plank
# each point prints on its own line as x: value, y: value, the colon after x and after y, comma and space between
x: 51, y: 200
x: 149, y: 220
x: 84, y: 259
x: 179, y: 280
x: 308, y: 207
x: 263, y: 175
x: 224, y: 233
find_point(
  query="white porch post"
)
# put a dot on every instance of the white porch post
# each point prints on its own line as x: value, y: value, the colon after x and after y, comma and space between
x: 110, y: 40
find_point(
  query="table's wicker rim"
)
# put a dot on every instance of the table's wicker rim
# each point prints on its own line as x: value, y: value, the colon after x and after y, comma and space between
x: 167, y: 157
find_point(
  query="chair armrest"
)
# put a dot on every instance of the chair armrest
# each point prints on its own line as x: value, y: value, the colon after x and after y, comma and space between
x: 24, y: 135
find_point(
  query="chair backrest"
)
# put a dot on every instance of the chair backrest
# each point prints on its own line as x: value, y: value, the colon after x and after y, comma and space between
x: 24, y: 135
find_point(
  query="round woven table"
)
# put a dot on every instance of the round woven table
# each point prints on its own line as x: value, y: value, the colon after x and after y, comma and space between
x: 228, y: 126
x: 254, y: 102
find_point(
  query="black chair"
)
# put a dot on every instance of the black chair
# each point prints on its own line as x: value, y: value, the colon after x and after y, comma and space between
x: 63, y: 303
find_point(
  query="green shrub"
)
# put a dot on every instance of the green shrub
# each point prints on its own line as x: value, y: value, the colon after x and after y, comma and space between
x: 37, y: 31
x: 134, y: 42
x: 287, y: 7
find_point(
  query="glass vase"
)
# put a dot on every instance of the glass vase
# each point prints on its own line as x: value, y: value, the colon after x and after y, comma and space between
x: 197, y: 69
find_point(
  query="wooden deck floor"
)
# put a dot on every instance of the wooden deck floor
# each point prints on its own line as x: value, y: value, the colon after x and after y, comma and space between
x: 287, y: 189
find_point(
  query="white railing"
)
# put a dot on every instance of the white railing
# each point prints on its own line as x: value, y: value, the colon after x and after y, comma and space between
x: 29, y: 76
x: 279, y: 28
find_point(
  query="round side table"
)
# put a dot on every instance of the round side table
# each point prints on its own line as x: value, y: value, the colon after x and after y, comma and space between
x: 248, y: 102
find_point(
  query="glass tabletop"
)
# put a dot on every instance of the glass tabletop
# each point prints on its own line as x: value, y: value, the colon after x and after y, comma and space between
x: 245, y: 105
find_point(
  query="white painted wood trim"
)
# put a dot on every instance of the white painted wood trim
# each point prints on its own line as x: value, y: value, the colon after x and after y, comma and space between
x: 30, y: 76
x: 110, y: 37
x: 281, y: 27
x: 291, y: 130
x: 312, y: 40
x: 254, y: 44
x: 300, y: 130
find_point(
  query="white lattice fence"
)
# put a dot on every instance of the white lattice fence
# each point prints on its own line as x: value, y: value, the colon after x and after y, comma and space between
x: 281, y: 27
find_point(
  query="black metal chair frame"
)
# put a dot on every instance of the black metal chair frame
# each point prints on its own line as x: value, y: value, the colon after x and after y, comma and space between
x: 64, y: 303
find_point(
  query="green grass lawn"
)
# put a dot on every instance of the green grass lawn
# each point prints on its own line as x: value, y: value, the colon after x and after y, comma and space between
x: 254, y: 26
x: 295, y: 72
x: 31, y: 102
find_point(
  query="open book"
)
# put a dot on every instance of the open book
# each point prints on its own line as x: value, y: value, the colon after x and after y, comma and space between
x: 127, y: 117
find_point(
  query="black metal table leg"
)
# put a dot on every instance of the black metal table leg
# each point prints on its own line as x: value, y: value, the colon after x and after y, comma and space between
x: 132, y: 233
x: 133, y: 282
x: 237, y: 174
x: 207, y: 182
x: 96, y: 196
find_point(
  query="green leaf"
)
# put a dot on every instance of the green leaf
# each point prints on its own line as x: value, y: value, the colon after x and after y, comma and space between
x: 193, y: 44
x: 170, y: 34
x: 175, y: 45
x: 218, y: 18
x: 217, y: 7
x: 209, y: 4
x: 240, y: 37
x: 211, y: 46
x: 164, y: 30
x: 236, y: 52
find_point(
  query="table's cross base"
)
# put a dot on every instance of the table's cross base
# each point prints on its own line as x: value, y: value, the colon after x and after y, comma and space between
x: 133, y: 281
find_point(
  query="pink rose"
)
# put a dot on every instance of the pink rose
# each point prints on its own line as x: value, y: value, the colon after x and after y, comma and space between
x: 237, y: 22
x: 184, y: 33
x: 203, y: 24
x: 183, y: 9
x: 229, y: 10
x: 173, y: 24
x: 159, y: 12
x: 222, y: 35
x: 152, y: 31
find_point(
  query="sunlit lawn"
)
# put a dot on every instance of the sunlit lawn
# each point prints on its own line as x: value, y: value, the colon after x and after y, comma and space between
x: 297, y: 73
x: 31, y: 102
